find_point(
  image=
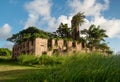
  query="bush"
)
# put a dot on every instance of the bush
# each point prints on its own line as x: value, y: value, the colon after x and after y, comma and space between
x: 5, y: 52
x: 50, y: 60
x: 27, y: 59
x: 6, y: 60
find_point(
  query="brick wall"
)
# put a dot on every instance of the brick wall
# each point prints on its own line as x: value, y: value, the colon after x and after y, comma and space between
x: 40, y: 46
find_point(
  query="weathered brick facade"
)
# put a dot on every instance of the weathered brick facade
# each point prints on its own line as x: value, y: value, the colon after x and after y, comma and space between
x: 40, y: 46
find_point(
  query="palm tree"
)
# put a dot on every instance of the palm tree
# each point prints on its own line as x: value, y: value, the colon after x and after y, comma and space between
x: 94, y: 35
x: 76, y: 21
x: 83, y: 42
x: 103, y: 46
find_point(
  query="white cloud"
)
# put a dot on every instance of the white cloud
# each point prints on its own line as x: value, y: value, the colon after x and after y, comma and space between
x: 5, y: 31
x: 93, y: 9
x: 89, y: 7
x: 111, y: 25
x: 41, y: 7
x: 32, y: 20
x: 40, y: 14
x: 64, y: 19
x: 37, y: 9
x: 53, y: 23
x: 8, y: 45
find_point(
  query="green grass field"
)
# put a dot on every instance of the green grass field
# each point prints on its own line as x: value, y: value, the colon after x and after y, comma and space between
x: 92, y: 67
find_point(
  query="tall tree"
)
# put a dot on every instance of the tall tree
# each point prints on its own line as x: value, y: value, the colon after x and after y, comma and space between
x: 76, y: 21
x: 63, y: 31
x: 94, y: 35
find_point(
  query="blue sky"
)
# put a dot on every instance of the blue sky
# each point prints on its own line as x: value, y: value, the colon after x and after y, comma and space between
x: 16, y: 15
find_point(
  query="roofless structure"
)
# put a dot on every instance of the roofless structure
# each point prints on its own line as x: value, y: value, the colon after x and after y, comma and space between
x: 65, y: 40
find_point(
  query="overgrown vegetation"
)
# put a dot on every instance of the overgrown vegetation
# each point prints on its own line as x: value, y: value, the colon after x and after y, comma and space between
x: 5, y: 52
x: 91, y: 67
x: 93, y: 40
x: 87, y: 67
x: 28, y: 34
x: 26, y: 59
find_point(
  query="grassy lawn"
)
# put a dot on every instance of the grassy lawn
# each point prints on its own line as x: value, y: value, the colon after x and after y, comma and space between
x: 16, y: 73
x: 8, y: 72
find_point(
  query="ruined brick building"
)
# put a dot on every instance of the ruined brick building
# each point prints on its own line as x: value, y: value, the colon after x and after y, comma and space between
x: 41, y: 46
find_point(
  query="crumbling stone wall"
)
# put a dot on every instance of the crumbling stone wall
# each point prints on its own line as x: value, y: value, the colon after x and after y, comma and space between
x: 39, y: 46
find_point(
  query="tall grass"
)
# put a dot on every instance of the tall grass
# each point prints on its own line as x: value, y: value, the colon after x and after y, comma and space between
x: 25, y: 59
x: 42, y: 60
x: 50, y: 60
x: 89, y: 67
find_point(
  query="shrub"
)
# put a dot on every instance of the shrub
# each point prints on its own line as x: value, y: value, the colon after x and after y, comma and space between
x: 5, y: 52
x: 27, y: 59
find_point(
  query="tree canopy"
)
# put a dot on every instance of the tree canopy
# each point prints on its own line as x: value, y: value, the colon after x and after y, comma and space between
x: 63, y: 31
x: 94, y: 37
x: 28, y: 34
x: 77, y: 20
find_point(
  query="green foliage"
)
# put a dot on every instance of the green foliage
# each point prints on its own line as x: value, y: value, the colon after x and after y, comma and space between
x: 50, y: 60
x: 5, y: 52
x: 28, y: 34
x: 43, y: 75
x: 78, y: 19
x: 90, y: 67
x: 63, y: 31
x: 93, y: 37
x: 6, y: 60
x: 25, y: 59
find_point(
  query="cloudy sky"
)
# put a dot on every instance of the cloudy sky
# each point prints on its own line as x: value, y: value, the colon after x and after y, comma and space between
x: 16, y: 15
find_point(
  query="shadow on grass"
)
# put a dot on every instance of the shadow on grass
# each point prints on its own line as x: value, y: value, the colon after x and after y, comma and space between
x: 21, y: 75
x: 8, y: 61
x: 5, y: 60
